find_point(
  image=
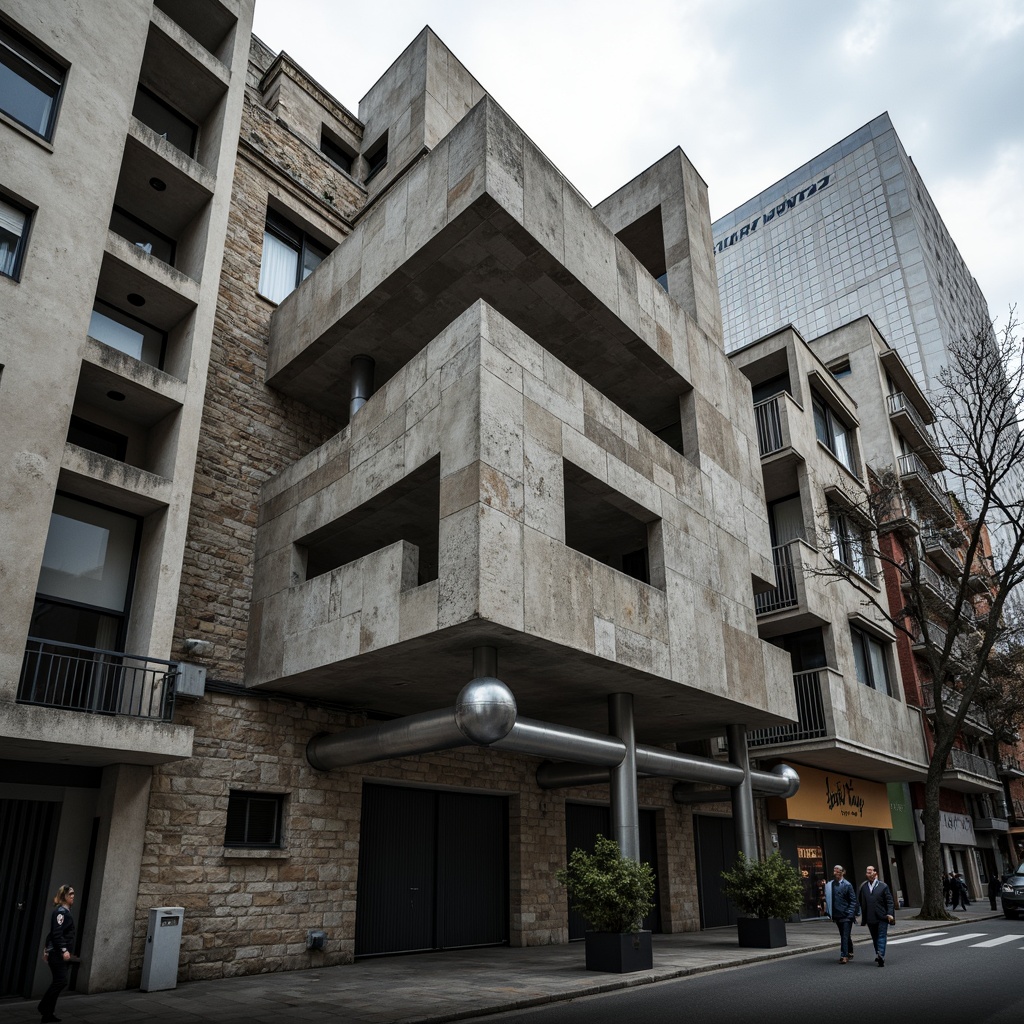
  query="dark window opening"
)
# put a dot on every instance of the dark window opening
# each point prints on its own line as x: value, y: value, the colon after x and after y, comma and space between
x: 806, y: 649
x: 768, y: 388
x: 672, y: 435
x: 14, y: 224
x: 645, y: 239
x: 142, y: 236
x: 841, y: 369
x: 127, y: 333
x: 290, y: 255
x: 376, y: 156
x: 177, y: 129
x: 336, y: 151
x: 97, y: 439
x: 409, y: 510
x: 254, y: 819
x: 30, y: 84
x: 606, y: 525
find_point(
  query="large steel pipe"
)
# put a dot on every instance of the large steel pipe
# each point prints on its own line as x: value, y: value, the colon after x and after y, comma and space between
x: 544, y: 739
x: 742, y: 794
x: 484, y: 711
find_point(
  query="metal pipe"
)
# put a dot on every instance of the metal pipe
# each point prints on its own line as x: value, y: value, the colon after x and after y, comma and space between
x: 545, y: 739
x: 689, y: 767
x: 625, y: 815
x: 743, y: 794
x: 362, y: 383
x: 563, y: 775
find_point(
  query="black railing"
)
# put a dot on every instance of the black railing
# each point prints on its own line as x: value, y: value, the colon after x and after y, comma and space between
x: 76, y: 678
x: 810, y: 709
x: 965, y: 761
x: 784, y: 594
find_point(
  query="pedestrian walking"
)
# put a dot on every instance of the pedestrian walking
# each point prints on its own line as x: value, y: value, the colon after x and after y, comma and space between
x: 59, y: 950
x: 878, y: 911
x: 947, y: 888
x: 994, y: 887
x: 960, y: 898
x: 841, y: 905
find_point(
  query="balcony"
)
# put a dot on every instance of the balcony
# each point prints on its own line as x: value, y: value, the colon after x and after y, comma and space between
x: 811, y: 722
x: 970, y: 773
x: 1017, y: 813
x: 975, y: 721
x: 936, y: 585
x: 785, y: 593
x: 909, y: 422
x: 991, y: 824
x: 918, y: 479
x: 85, y: 679
x: 1011, y: 768
x: 941, y: 552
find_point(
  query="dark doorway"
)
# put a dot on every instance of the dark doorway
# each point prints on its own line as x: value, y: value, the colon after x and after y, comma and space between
x: 715, y: 840
x: 583, y: 824
x: 28, y: 835
x: 433, y: 871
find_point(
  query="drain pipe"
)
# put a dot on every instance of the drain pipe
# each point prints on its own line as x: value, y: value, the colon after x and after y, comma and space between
x: 742, y: 794
x: 625, y: 817
x: 362, y: 383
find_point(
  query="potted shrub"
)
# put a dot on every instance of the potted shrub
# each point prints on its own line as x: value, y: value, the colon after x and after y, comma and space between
x: 769, y: 890
x: 613, y: 893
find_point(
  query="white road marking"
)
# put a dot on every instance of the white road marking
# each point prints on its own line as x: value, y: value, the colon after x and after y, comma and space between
x: 994, y: 942
x: 914, y: 938
x: 957, y: 938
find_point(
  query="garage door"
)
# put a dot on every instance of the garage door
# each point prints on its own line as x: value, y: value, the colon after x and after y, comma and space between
x: 433, y: 871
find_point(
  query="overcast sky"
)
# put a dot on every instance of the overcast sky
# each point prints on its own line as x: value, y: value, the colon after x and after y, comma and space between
x: 750, y: 89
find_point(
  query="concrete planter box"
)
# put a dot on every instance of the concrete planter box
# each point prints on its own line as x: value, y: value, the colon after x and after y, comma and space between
x: 761, y: 932
x: 617, y: 953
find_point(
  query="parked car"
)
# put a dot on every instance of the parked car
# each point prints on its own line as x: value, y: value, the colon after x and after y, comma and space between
x: 1012, y: 892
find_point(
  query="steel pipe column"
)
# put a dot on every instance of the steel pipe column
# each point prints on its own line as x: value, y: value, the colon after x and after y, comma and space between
x: 625, y: 814
x: 362, y: 383
x: 742, y: 794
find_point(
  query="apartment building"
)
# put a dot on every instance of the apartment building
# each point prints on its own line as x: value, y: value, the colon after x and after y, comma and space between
x: 385, y: 489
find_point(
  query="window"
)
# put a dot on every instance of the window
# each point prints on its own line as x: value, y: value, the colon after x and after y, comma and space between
x: 337, y: 152
x: 376, y: 156
x: 847, y: 542
x: 254, y: 819
x: 142, y: 236
x: 165, y: 121
x: 833, y: 433
x: 841, y: 369
x: 95, y: 438
x: 289, y: 257
x: 30, y: 84
x: 870, y: 657
x: 13, y: 232
x: 127, y: 334
x: 85, y: 580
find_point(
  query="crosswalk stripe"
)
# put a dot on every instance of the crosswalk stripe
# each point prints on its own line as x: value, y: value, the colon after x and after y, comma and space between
x: 995, y: 942
x: 957, y: 938
x: 914, y: 938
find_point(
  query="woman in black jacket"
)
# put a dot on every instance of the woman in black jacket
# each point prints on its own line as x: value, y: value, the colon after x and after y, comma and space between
x: 60, y: 948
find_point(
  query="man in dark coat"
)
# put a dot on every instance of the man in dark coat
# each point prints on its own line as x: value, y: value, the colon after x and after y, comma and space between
x: 960, y: 897
x: 878, y: 911
x: 841, y: 905
x: 947, y: 887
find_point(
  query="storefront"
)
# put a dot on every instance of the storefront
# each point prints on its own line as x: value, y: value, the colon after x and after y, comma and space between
x: 833, y: 819
x: 906, y: 867
x: 959, y: 846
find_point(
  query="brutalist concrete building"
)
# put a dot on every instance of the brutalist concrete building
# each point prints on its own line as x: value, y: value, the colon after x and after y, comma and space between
x: 392, y: 521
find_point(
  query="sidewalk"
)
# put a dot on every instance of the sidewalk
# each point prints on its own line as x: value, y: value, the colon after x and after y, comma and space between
x: 432, y: 987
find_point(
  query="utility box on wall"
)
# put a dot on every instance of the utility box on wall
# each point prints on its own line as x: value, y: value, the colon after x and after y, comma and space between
x: 163, y: 943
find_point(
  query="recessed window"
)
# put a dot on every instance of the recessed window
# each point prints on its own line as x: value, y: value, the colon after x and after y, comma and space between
x: 376, y: 156
x: 833, y: 433
x: 337, y: 152
x: 13, y: 232
x: 127, y: 334
x: 95, y: 438
x: 142, y: 236
x: 289, y: 257
x: 30, y: 84
x: 847, y: 542
x: 177, y: 129
x: 869, y: 655
x: 254, y: 819
x: 840, y: 369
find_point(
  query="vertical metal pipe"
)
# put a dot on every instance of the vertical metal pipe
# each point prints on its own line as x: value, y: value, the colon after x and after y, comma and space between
x: 362, y: 383
x: 625, y: 815
x: 485, y: 663
x: 743, y: 794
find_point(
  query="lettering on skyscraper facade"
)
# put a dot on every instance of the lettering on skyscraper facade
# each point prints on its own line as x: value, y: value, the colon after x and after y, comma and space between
x: 776, y: 211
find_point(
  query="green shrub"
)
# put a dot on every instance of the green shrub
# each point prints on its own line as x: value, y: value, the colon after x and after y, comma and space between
x: 612, y: 892
x: 764, y: 888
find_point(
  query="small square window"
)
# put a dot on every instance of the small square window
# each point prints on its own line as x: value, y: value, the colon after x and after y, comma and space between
x: 14, y: 223
x: 289, y: 257
x: 254, y: 819
x: 376, y: 156
x: 30, y: 84
x: 337, y: 152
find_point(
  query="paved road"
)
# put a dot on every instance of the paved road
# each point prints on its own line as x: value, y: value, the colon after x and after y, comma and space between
x: 969, y: 974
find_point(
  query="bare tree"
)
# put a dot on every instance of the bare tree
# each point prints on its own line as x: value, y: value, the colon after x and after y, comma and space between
x: 965, y: 623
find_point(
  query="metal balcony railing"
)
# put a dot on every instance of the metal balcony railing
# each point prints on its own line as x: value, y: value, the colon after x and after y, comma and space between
x: 913, y: 470
x: 1017, y: 812
x: 964, y: 761
x: 785, y: 593
x: 75, y: 678
x: 769, y: 425
x: 940, y: 549
x: 810, y: 709
x: 938, y: 584
x: 1011, y: 767
x: 900, y: 404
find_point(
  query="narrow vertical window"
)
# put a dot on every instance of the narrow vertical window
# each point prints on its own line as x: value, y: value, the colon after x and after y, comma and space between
x: 289, y: 257
x: 13, y: 231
